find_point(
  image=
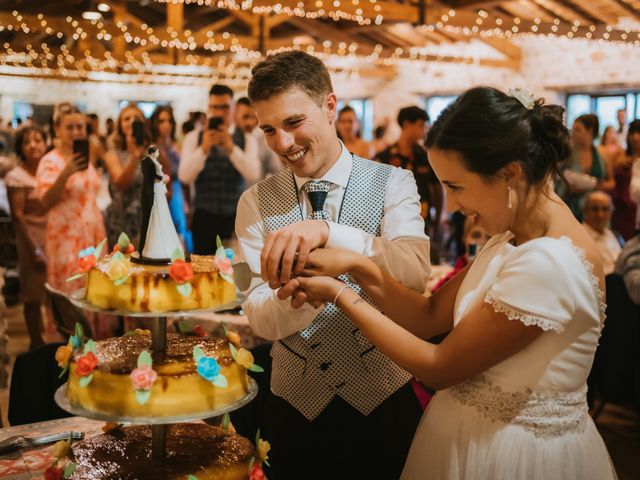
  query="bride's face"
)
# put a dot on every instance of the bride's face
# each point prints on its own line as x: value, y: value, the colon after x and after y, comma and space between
x: 484, y: 201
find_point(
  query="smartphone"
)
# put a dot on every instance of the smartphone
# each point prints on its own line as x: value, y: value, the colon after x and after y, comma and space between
x: 81, y: 145
x: 138, y: 132
x: 215, y: 123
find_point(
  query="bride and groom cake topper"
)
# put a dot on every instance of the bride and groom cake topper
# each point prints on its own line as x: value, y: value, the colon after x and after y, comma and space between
x: 158, y: 236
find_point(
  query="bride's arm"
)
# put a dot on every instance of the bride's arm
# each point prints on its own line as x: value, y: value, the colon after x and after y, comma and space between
x: 482, y: 339
x: 424, y: 317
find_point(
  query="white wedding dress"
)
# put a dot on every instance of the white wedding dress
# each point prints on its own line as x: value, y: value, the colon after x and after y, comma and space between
x: 526, y: 417
x: 162, y: 239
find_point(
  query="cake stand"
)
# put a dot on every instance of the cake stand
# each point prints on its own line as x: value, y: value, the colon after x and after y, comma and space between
x: 158, y: 346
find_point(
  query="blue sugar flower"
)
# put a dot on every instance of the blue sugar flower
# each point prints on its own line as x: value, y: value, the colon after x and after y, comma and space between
x: 229, y: 253
x: 208, y: 368
x: 86, y: 252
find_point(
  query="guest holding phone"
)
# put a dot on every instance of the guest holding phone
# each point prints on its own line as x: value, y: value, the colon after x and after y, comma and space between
x: 67, y: 184
x: 30, y: 221
x: 125, y: 150
x: 220, y: 161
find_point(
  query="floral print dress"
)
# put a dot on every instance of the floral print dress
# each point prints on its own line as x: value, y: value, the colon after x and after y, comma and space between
x: 74, y: 223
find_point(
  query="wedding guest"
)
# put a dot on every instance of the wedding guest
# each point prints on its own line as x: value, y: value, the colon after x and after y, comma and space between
x: 475, y: 237
x: 585, y: 159
x: 609, y: 146
x: 408, y: 152
x: 122, y: 160
x: 524, y: 318
x: 597, y: 215
x: 633, y: 156
x: 247, y: 120
x: 623, y: 127
x: 30, y: 221
x: 326, y: 377
x: 220, y: 161
x: 623, y: 219
x: 628, y: 266
x: 67, y: 185
x: 348, y: 127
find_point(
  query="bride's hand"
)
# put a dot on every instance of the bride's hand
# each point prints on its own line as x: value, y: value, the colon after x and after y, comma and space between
x: 312, y: 290
x: 330, y: 262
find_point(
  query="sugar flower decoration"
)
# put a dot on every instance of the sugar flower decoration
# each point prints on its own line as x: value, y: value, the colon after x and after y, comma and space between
x: 525, y: 97
x: 119, y: 268
x: 189, y: 329
x: 222, y: 261
x: 208, y: 368
x: 61, y: 467
x: 143, y: 377
x: 86, y: 363
x: 241, y: 355
x: 181, y: 271
x: 87, y: 259
x: 124, y: 245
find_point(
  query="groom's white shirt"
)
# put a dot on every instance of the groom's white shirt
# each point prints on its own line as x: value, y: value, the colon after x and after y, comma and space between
x: 402, y: 249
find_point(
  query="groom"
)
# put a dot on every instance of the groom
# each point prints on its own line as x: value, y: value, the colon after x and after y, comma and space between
x: 338, y: 408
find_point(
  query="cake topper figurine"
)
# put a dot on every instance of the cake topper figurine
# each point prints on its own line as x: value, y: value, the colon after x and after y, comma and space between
x: 158, y: 236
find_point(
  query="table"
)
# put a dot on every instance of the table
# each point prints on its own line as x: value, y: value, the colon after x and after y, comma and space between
x: 30, y: 463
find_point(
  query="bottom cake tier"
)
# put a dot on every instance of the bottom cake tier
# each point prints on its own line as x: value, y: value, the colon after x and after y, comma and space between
x: 204, y: 451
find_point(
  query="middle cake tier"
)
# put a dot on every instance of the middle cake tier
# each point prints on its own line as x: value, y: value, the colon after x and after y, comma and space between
x: 179, y: 386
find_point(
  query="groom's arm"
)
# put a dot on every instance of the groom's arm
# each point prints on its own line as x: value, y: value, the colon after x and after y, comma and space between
x: 402, y: 249
x: 269, y: 317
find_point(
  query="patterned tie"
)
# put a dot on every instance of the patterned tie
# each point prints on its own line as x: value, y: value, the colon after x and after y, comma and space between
x: 317, y: 191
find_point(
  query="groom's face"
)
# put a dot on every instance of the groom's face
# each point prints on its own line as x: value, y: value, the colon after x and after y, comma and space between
x: 300, y: 130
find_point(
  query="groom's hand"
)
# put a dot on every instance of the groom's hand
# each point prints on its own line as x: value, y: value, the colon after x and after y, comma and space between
x: 286, y: 251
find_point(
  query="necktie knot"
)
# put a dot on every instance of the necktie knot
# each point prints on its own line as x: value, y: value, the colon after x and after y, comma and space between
x: 317, y: 191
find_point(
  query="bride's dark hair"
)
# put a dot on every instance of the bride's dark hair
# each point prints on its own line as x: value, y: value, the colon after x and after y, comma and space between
x: 490, y: 129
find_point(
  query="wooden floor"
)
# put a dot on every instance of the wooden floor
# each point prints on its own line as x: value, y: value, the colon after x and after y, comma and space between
x: 619, y: 426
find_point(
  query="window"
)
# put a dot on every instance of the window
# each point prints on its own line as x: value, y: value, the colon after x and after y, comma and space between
x: 364, y: 113
x: 435, y: 105
x: 604, y: 105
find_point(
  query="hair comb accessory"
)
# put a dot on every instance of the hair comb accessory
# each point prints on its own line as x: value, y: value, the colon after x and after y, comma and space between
x: 525, y: 97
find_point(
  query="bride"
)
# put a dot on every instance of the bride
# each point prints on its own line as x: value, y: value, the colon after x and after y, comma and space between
x: 523, y: 319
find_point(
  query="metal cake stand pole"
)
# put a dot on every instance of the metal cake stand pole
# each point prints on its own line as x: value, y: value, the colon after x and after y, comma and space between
x: 159, y: 348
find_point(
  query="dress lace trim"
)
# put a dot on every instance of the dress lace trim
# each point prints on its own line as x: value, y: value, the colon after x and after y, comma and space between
x: 546, y: 414
x: 547, y: 323
x: 528, y: 318
x: 595, y: 283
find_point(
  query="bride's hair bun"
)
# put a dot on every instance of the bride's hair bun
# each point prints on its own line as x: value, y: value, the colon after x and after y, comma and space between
x: 491, y: 129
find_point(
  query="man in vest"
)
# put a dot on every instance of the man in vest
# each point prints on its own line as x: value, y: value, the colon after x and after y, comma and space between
x: 338, y: 408
x: 220, y: 161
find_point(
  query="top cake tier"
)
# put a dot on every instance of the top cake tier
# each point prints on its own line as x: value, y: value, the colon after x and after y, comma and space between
x: 117, y: 283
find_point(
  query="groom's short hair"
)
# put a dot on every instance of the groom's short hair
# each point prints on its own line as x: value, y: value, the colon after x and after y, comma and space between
x: 283, y: 71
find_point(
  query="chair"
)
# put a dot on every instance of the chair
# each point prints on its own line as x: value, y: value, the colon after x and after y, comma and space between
x: 615, y: 374
x: 65, y: 314
x: 33, y: 384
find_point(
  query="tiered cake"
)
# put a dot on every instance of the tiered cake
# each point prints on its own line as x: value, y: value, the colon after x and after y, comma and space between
x: 151, y: 377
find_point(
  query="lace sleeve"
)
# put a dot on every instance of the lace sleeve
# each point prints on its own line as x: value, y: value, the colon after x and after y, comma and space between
x: 535, y: 285
x: 528, y: 318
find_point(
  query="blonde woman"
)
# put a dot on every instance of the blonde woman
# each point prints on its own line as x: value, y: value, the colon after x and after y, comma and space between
x: 67, y: 185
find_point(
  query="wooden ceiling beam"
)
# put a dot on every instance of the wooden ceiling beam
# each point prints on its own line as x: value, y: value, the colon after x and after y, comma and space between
x: 590, y: 11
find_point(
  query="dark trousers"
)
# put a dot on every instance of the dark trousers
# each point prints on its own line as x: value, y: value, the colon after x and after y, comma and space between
x: 206, y: 226
x: 341, y: 443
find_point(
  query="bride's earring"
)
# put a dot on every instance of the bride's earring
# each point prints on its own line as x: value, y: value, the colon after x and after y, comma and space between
x: 510, y: 198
